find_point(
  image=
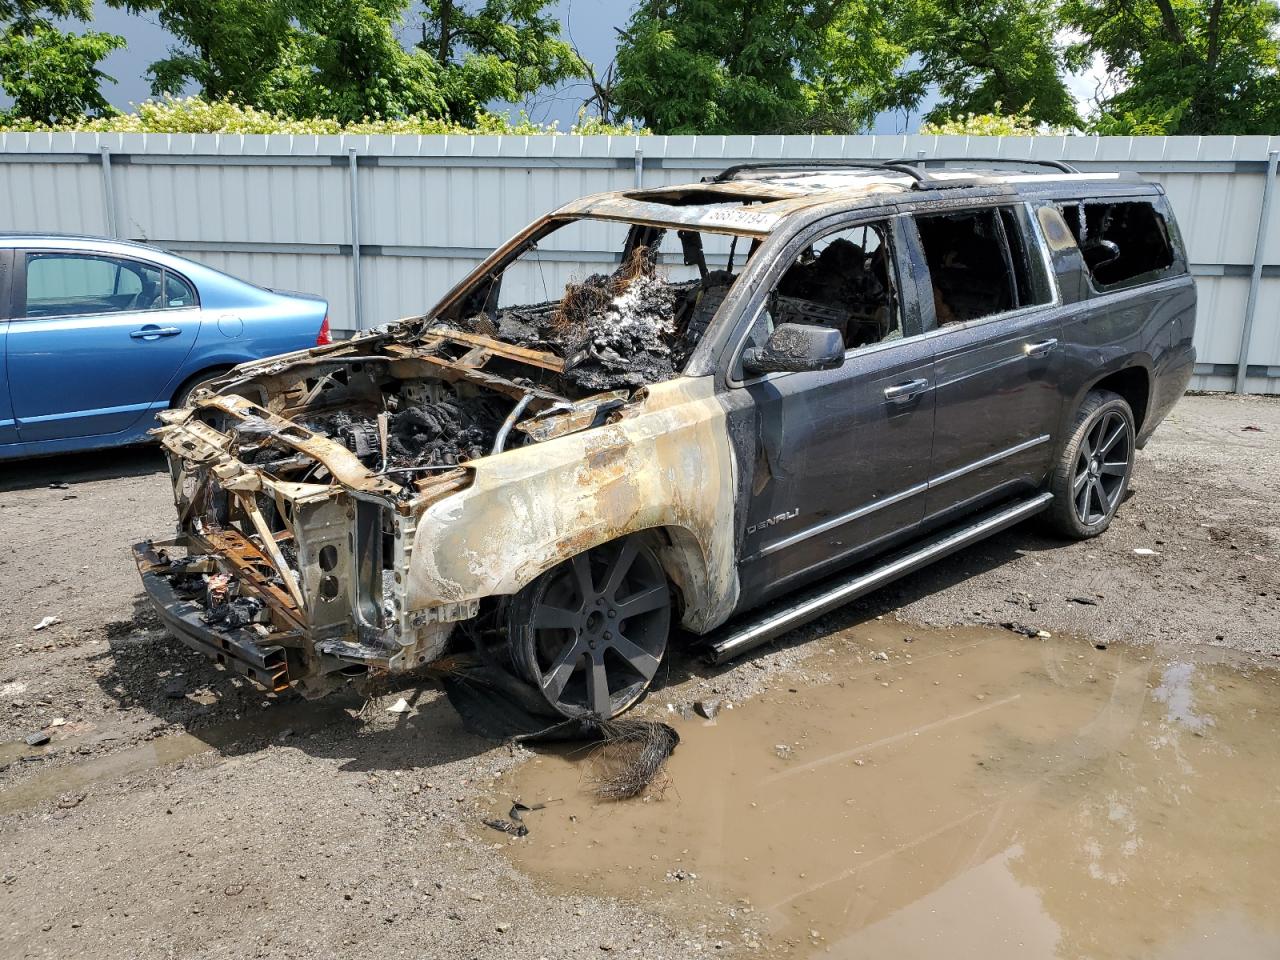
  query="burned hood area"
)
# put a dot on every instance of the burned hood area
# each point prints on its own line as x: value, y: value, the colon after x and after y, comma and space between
x: 583, y: 353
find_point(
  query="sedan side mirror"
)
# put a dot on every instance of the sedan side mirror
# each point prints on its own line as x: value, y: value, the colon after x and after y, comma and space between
x: 794, y: 347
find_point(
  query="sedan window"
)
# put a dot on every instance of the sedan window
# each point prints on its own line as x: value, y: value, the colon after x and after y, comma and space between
x: 65, y: 285
x: 177, y: 292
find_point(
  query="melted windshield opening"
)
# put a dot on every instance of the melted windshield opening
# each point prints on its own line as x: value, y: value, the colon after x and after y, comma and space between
x: 621, y: 304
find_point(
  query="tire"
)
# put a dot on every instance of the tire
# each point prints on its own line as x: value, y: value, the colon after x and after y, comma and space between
x: 590, y: 634
x: 183, y: 395
x: 1092, y: 474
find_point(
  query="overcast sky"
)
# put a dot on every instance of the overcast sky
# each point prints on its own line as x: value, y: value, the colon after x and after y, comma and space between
x: 591, y: 24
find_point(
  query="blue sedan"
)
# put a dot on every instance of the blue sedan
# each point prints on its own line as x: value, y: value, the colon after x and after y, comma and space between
x: 96, y: 335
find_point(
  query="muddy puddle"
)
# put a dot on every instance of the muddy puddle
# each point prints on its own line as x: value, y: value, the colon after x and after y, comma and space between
x: 977, y: 794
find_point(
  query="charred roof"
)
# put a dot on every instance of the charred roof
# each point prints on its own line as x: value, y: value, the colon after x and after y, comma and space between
x: 753, y: 199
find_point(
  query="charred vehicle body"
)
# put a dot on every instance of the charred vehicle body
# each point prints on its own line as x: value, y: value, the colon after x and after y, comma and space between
x: 790, y: 384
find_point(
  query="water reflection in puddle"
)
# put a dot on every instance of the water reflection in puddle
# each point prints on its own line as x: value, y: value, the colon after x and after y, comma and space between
x: 988, y: 796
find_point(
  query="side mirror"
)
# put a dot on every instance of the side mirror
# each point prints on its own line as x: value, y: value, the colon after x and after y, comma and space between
x: 1099, y: 253
x: 796, y: 346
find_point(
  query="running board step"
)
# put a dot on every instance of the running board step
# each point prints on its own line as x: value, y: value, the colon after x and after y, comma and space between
x: 792, y: 612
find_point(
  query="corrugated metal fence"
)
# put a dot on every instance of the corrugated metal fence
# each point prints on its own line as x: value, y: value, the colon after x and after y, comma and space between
x: 383, y: 225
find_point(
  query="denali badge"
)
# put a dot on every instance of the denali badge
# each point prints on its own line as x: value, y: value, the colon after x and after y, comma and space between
x: 771, y: 521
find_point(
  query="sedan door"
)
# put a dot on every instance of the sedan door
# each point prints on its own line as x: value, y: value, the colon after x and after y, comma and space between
x: 8, y: 430
x: 96, y: 342
x: 842, y: 455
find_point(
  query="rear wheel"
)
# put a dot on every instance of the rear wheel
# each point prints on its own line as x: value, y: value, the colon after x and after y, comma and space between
x: 1092, y: 474
x: 183, y: 396
x: 590, y: 633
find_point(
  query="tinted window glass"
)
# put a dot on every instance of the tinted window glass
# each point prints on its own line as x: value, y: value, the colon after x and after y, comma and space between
x: 61, y: 285
x: 980, y: 263
x: 845, y: 280
x: 177, y: 292
x: 1123, y: 243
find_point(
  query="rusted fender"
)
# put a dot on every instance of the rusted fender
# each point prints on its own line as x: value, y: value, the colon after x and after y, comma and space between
x: 667, y: 465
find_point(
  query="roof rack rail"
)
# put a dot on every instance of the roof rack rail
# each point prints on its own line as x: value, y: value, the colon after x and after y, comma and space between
x: 1060, y: 165
x: 915, y: 169
x: 897, y: 166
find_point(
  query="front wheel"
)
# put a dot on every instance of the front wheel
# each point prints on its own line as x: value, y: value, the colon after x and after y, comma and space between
x: 590, y: 633
x: 1092, y: 474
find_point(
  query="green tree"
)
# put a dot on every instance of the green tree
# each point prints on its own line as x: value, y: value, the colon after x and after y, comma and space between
x: 351, y: 64
x: 301, y: 58
x: 499, y: 50
x: 1182, y: 66
x: 23, y: 15
x: 760, y: 66
x: 227, y: 49
x: 986, y: 54
x: 52, y: 76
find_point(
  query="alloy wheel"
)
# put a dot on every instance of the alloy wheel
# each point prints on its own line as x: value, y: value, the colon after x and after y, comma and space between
x: 1102, y: 467
x: 598, y: 627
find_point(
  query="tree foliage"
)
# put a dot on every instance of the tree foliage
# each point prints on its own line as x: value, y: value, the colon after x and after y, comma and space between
x: 197, y: 115
x: 343, y: 58
x: 238, y: 49
x: 981, y: 54
x: 758, y: 66
x: 994, y: 124
x: 350, y: 64
x: 498, y: 50
x: 1182, y: 66
x: 50, y: 74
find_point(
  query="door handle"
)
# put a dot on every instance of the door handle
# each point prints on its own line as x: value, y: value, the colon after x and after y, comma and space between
x: 902, y: 392
x: 155, y: 333
x: 1040, y: 349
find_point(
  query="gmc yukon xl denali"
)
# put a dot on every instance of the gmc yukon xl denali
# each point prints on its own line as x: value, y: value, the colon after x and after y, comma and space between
x: 785, y: 386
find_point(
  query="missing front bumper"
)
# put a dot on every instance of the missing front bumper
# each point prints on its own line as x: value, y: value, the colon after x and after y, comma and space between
x: 240, y: 649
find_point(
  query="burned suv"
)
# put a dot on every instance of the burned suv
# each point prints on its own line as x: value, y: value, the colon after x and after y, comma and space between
x: 788, y: 384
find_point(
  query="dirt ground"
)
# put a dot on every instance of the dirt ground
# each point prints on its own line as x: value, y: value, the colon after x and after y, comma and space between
x: 180, y: 812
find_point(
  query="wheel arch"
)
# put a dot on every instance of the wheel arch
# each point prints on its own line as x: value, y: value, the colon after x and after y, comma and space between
x: 1131, y: 377
x: 667, y: 472
x: 206, y: 372
x: 1134, y: 383
x: 684, y: 557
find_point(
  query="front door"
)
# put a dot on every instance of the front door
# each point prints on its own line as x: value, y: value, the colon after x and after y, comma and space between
x: 93, y: 343
x: 842, y: 456
x: 997, y: 356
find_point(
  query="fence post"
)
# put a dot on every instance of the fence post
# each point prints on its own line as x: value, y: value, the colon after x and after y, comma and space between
x: 1255, y: 278
x: 108, y: 192
x: 355, y: 239
x: 639, y: 165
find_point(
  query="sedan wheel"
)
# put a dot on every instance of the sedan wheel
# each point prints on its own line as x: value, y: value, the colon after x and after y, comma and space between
x: 590, y: 633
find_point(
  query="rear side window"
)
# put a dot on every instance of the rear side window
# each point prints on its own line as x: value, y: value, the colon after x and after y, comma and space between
x: 1124, y: 243
x: 68, y: 285
x: 177, y: 292
x: 981, y: 263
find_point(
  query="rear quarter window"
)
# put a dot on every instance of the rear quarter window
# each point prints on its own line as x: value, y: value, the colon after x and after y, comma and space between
x: 1125, y: 242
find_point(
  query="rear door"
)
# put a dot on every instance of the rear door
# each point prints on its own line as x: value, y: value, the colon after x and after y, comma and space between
x: 996, y: 331
x: 95, y: 342
x: 842, y: 455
